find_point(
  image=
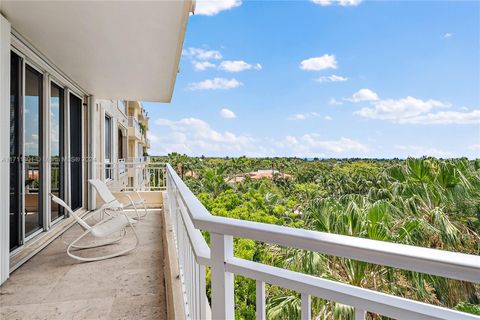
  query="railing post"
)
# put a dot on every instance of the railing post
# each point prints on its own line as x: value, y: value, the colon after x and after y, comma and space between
x: 202, y: 291
x: 222, y: 281
x: 260, y: 300
x: 360, y: 314
x: 306, y: 307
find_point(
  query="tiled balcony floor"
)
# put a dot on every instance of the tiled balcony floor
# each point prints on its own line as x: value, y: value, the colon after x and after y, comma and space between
x: 54, y: 286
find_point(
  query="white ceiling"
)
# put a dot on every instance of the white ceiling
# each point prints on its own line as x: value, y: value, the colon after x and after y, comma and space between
x: 114, y: 49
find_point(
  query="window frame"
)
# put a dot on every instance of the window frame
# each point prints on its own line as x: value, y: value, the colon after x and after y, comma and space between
x: 108, y: 146
x: 32, y: 58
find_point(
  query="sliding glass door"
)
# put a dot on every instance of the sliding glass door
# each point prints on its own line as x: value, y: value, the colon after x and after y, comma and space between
x: 33, y: 150
x: 38, y: 140
x: 16, y: 147
x: 57, y: 175
x: 76, y: 160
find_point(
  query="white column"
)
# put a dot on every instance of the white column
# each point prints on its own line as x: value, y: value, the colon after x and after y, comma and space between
x: 222, y: 281
x: 92, y: 138
x: 4, y: 149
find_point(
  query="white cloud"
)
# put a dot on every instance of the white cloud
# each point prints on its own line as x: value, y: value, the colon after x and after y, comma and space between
x: 237, y: 66
x: 312, y: 145
x: 445, y: 117
x: 153, y: 137
x: 420, y: 151
x: 227, y: 114
x: 343, y: 3
x: 327, y: 61
x: 448, y: 35
x: 202, y: 54
x: 334, y: 102
x: 194, y: 136
x: 298, y: 116
x: 411, y: 110
x: 396, y: 110
x: 474, y: 147
x: 303, y: 116
x: 202, y: 65
x: 328, y: 118
x: 213, y: 7
x: 215, y: 84
x: 331, y: 78
x: 363, y: 95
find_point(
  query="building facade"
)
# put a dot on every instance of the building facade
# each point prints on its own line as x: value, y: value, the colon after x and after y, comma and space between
x: 70, y: 109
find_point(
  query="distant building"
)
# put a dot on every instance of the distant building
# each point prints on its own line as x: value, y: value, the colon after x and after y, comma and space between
x: 257, y: 175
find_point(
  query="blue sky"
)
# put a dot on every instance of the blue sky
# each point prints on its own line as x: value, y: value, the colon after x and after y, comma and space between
x: 325, y: 79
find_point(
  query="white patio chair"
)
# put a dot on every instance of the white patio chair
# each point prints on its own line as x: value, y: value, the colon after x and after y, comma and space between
x: 101, y: 230
x: 113, y: 204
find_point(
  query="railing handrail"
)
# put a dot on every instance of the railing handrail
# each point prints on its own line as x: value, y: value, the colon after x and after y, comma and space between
x: 200, y: 246
x: 448, y: 264
x: 193, y: 217
x: 360, y: 298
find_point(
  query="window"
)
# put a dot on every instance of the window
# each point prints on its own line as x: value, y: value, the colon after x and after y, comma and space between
x: 33, y: 135
x: 16, y: 150
x: 108, y: 147
x: 122, y: 106
x: 56, y: 149
x: 120, y: 144
x: 76, y: 152
x: 38, y: 136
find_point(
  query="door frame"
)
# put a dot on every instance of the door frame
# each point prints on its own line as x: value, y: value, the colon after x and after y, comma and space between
x: 50, y: 74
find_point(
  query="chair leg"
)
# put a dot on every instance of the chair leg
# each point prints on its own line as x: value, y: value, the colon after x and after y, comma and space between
x: 143, y: 202
x: 145, y: 209
x: 113, y: 255
x: 136, y: 211
x: 106, y: 243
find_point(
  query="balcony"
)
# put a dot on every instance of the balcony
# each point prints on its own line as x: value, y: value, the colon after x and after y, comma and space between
x: 134, y: 131
x: 51, y: 285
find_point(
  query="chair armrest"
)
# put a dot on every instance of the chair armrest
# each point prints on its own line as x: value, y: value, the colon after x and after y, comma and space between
x: 136, y: 193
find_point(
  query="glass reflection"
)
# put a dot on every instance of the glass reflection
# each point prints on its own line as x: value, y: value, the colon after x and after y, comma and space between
x: 33, y: 137
x: 56, y: 148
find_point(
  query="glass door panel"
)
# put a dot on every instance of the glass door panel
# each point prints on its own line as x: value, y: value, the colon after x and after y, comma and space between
x: 16, y: 144
x: 56, y: 149
x: 76, y: 161
x: 33, y: 150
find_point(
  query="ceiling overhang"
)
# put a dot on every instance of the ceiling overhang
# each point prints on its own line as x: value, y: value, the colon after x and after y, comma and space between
x: 127, y: 50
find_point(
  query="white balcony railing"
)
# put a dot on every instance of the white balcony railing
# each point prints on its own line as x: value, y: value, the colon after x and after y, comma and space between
x: 133, y: 122
x: 121, y: 167
x: 147, y: 176
x: 190, y: 216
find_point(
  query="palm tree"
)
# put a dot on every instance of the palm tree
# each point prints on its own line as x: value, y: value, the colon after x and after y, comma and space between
x: 237, y: 167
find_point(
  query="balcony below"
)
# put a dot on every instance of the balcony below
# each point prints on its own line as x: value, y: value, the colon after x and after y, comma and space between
x: 52, y: 285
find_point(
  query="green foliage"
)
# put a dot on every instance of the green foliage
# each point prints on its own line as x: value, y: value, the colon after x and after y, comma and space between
x: 424, y: 202
x: 468, y: 307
